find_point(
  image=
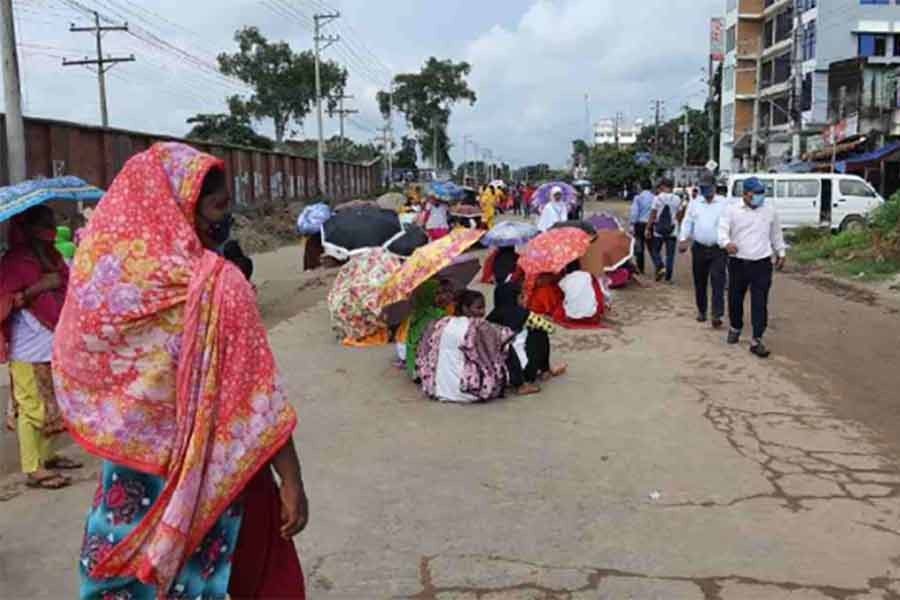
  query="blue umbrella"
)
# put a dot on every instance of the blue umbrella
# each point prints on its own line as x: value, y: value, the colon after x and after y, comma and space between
x: 508, y: 234
x: 446, y: 191
x: 16, y: 199
x: 312, y: 218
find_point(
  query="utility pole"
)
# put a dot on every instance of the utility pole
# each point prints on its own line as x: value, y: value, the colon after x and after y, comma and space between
x: 587, y: 119
x: 796, y: 98
x: 658, y: 104
x: 342, y: 112
x: 710, y: 108
x: 466, y: 140
x: 15, y: 123
x: 840, y: 116
x: 617, y: 129
x: 685, y: 130
x: 322, y: 42
x: 103, y: 64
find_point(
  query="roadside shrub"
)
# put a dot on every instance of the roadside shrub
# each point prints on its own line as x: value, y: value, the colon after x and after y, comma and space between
x: 886, y: 219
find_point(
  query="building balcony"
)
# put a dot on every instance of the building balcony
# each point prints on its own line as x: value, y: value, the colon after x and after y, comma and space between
x: 778, y: 47
x: 775, y: 89
x: 776, y: 7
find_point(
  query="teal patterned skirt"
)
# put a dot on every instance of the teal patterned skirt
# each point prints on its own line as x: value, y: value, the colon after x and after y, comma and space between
x: 122, y: 499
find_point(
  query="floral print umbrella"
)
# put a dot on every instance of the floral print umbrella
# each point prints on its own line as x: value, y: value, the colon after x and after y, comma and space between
x: 353, y: 299
x: 426, y: 262
x: 552, y: 250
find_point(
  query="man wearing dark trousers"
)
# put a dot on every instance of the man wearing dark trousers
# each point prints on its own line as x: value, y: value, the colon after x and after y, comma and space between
x: 701, y: 226
x: 640, y: 214
x: 751, y: 233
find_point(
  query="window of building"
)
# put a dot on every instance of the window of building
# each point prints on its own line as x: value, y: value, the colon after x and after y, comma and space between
x: 805, y: 5
x: 781, y: 114
x: 872, y: 44
x: 730, y: 38
x: 768, y: 33
x: 784, y: 25
x: 806, y: 93
x: 874, y: 1
x: 782, y: 68
x: 728, y: 118
x: 897, y: 44
x: 728, y: 78
x: 809, y: 41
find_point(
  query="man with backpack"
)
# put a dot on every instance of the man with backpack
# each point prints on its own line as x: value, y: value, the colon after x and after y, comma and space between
x: 662, y: 229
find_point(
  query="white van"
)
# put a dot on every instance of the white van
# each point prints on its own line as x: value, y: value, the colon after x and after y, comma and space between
x: 832, y: 200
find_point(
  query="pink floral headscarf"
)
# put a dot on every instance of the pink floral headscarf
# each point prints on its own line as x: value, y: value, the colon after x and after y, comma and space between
x: 162, y: 363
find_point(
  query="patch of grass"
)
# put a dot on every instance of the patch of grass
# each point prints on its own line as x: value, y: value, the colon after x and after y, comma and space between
x: 864, y: 269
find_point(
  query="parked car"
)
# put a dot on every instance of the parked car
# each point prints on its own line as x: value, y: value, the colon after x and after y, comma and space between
x: 832, y: 200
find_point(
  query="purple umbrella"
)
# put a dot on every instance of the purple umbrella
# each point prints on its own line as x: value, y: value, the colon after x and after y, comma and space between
x: 542, y: 196
x: 604, y: 222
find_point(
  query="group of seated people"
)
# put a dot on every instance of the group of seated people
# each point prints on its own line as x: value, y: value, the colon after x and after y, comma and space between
x: 574, y: 299
x: 459, y: 355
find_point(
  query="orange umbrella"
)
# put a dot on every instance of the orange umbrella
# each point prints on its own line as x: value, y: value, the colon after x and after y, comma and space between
x: 610, y: 250
x: 552, y: 250
x: 425, y: 263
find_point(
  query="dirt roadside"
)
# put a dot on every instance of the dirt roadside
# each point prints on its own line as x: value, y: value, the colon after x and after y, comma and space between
x: 845, y: 336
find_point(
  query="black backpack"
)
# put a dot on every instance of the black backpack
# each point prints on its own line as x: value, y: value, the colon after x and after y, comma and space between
x: 665, y: 224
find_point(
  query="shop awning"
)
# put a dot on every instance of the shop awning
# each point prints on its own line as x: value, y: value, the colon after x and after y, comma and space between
x: 874, y: 156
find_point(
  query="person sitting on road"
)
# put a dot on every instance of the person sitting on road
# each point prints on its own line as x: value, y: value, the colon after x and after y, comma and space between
x: 463, y: 359
x: 432, y: 301
x: 583, y: 299
x: 528, y: 358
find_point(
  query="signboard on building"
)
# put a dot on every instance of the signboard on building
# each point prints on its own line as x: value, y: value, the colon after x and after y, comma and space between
x: 717, y: 39
x: 841, y: 130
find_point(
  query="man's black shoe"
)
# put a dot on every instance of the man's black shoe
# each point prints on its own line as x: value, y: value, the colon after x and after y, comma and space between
x: 760, y: 350
x: 734, y: 336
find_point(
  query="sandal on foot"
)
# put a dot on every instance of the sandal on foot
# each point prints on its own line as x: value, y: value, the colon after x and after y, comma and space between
x: 62, y: 462
x: 54, y: 481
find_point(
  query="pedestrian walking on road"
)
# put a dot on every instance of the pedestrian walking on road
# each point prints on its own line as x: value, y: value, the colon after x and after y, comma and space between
x: 700, y: 233
x: 751, y: 233
x: 662, y: 229
x: 640, y: 214
x: 163, y: 369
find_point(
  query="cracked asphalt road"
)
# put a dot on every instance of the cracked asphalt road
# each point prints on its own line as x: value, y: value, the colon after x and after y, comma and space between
x: 664, y: 466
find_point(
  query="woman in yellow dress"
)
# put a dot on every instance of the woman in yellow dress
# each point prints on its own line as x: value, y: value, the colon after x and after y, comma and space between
x: 488, y: 206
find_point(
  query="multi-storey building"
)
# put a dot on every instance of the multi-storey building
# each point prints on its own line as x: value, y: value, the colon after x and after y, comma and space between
x: 775, y: 71
x: 606, y: 132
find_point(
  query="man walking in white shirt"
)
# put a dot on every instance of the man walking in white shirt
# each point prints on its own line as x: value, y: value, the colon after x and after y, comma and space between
x: 750, y: 232
x: 701, y: 226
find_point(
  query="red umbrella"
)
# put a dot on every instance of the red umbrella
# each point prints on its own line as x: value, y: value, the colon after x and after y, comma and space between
x: 552, y: 250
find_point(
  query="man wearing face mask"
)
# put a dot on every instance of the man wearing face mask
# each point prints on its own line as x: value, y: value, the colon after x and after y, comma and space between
x: 750, y: 233
x: 700, y: 233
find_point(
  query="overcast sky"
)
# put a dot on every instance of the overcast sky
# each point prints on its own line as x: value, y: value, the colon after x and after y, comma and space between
x: 532, y: 61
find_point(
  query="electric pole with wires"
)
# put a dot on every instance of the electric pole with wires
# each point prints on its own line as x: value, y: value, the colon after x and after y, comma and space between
x: 103, y: 64
x: 322, y: 42
x: 342, y: 112
x: 658, y: 108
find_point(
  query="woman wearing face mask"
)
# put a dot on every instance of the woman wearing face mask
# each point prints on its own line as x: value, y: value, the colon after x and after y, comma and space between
x: 163, y: 369
x: 33, y: 279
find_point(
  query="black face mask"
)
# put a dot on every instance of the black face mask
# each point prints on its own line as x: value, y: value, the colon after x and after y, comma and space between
x: 220, y: 231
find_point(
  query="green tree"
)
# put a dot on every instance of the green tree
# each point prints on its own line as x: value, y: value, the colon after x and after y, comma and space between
x: 283, y: 81
x: 614, y: 169
x: 222, y: 128
x: 406, y: 157
x: 425, y: 99
x: 671, y: 140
